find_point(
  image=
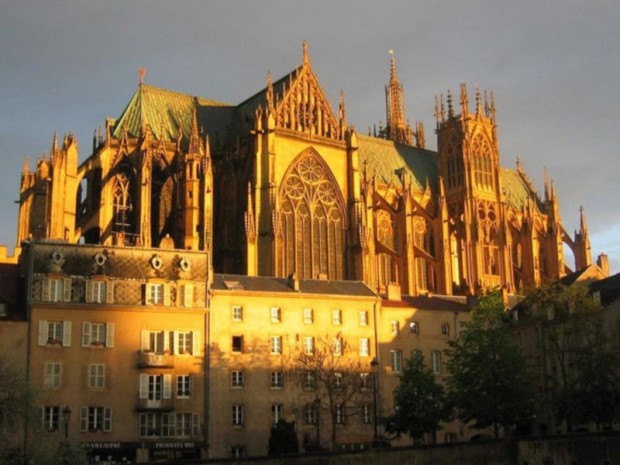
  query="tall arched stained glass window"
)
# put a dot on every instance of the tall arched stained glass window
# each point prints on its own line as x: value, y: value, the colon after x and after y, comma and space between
x: 312, y: 221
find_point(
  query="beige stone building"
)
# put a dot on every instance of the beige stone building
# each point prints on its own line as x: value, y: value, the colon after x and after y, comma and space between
x: 300, y: 216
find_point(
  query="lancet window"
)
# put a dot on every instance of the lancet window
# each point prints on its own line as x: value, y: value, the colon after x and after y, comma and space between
x: 123, y: 204
x: 483, y: 164
x: 312, y: 221
x: 488, y: 221
x: 455, y: 167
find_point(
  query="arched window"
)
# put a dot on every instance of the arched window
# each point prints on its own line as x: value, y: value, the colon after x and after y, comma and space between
x: 312, y: 221
x: 122, y: 204
x: 483, y: 166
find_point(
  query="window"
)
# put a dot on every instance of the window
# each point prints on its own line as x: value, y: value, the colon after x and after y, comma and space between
x: 445, y: 329
x: 340, y: 414
x: 237, y: 451
x: 414, y: 327
x: 186, y: 295
x: 363, y: 318
x: 338, y: 379
x: 164, y: 424
x: 366, y: 414
x: 310, y: 414
x: 154, y: 388
x: 187, y: 342
x: 276, y: 315
x: 364, y: 347
x: 56, y: 290
x: 237, y: 415
x: 97, y: 334
x: 184, y: 424
x: 308, y: 316
x: 337, y: 317
x: 157, y: 294
x: 99, y: 291
x: 396, y: 359
x: 276, y: 380
x: 276, y: 345
x: 237, y: 313
x: 338, y: 345
x: 308, y: 345
x: 156, y: 342
x: 53, y: 372
x: 365, y: 380
x: 95, y: 419
x: 184, y: 386
x: 277, y: 413
x: 237, y: 379
x: 436, y: 361
x: 394, y: 328
x: 54, y: 333
x: 50, y: 418
x: 310, y: 380
x: 237, y: 343
x: 96, y: 375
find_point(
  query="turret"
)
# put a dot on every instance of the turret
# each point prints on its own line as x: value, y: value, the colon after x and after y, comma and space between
x: 583, y: 254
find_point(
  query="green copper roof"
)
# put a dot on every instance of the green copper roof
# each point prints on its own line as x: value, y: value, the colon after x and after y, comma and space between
x: 387, y: 159
x: 517, y: 190
x: 169, y: 112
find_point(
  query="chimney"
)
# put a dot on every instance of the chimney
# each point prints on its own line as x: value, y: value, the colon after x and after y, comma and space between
x: 603, y: 263
x: 293, y: 282
x: 393, y: 292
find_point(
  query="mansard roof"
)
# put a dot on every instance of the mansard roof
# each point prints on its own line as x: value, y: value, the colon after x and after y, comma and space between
x: 387, y: 159
x: 170, y: 113
x: 271, y: 285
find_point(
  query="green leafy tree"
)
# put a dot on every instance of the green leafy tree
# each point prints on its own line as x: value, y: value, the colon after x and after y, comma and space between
x: 420, y: 403
x: 283, y: 439
x: 581, y: 358
x: 488, y: 382
x: 69, y: 454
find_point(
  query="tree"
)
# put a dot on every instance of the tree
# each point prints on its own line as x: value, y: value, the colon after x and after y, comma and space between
x: 488, y: 382
x: 419, y: 401
x: 333, y: 383
x: 69, y: 454
x: 16, y: 398
x: 283, y: 439
x: 581, y: 360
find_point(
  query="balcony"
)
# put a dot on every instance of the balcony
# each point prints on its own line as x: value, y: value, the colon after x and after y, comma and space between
x: 153, y: 360
x: 155, y: 405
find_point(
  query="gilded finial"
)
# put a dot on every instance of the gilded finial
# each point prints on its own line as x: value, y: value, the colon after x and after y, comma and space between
x: 464, y: 101
x: 306, y: 57
x: 142, y: 74
x: 478, y: 101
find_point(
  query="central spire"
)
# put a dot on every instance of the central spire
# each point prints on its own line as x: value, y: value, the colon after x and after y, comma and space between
x: 397, y: 128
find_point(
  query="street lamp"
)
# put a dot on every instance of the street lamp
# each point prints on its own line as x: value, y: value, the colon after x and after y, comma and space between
x: 374, y: 365
x: 66, y: 415
x: 317, y: 409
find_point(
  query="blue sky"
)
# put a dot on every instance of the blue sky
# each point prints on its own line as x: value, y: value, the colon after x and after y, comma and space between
x: 554, y: 67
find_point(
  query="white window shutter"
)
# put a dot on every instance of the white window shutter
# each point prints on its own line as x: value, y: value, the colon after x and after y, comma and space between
x: 109, y: 334
x: 45, y: 290
x: 43, y: 328
x: 83, y: 419
x: 107, y: 419
x: 196, y: 343
x: 109, y: 298
x: 195, y: 425
x: 167, y: 386
x: 166, y: 336
x: 144, y: 386
x: 89, y: 291
x: 147, y: 294
x: 188, y: 295
x: 67, y: 290
x: 167, y: 295
x: 66, y: 334
x: 175, y: 343
x: 86, y: 334
x: 145, y: 343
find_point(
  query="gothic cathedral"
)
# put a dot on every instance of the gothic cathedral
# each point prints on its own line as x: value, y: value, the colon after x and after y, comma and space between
x: 280, y: 184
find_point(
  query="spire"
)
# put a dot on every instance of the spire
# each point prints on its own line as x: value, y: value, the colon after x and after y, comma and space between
x: 305, y: 56
x: 437, y: 113
x: 583, y: 227
x: 26, y: 167
x: 492, y: 108
x: 449, y: 101
x: 54, y: 144
x: 397, y: 128
x: 270, y: 102
x: 194, y: 136
x: 546, y: 183
x: 478, y: 102
x: 342, y: 113
x: 464, y: 101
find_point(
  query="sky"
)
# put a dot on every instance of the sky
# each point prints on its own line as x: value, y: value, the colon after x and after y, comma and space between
x: 554, y: 67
